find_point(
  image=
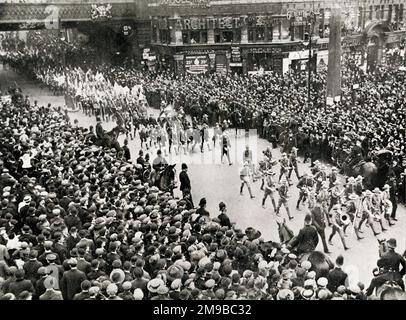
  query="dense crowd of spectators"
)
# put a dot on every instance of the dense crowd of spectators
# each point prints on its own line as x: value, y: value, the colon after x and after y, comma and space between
x: 78, y: 222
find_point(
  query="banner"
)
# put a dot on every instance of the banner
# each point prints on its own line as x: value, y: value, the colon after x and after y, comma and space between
x: 196, y: 64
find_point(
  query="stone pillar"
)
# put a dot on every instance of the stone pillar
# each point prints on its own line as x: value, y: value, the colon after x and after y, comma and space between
x: 244, y: 30
x: 334, y: 55
x: 158, y: 38
x: 276, y: 31
x: 285, y: 24
x: 379, y: 55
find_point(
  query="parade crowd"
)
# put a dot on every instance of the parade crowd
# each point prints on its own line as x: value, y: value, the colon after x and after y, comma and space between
x: 79, y: 222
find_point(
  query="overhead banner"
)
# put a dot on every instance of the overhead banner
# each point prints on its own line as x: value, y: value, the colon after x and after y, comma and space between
x: 197, y: 64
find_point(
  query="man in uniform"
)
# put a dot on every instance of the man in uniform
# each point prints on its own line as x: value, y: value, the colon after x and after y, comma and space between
x: 320, y: 223
x: 390, y: 264
x: 159, y: 162
x: 284, y: 162
x: 293, y: 163
x: 270, y: 188
x: 245, y: 176
x: 283, y: 198
x: 99, y: 129
x: 337, y: 225
x: 225, y: 147
x: 305, y: 184
x: 355, y: 156
x: 185, y: 182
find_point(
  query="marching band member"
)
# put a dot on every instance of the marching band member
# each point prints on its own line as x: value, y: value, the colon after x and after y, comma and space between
x: 376, y: 206
x: 337, y: 225
x: 270, y: 188
x: 352, y: 210
x: 305, y: 184
x: 336, y: 194
x: 366, y: 206
x: 323, y: 197
x: 285, y: 165
x: 293, y: 163
x: 283, y: 198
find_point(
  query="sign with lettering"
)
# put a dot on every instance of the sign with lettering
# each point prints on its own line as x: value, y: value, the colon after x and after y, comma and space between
x: 179, y: 3
x: 264, y: 50
x: 235, y: 54
x: 196, y: 64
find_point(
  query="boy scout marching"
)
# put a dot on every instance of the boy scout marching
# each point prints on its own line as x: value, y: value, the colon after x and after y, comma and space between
x: 340, y: 203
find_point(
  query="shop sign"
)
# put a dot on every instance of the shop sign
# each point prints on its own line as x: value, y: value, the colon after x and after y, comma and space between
x: 264, y: 50
x: 226, y: 22
x: 301, y: 13
x: 392, y: 38
x: 179, y: 3
x: 235, y: 54
x: 178, y: 57
x: 196, y: 64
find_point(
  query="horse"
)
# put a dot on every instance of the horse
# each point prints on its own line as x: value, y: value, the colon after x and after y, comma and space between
x: 165, y: 180
x: 321, y: 263
x: 390, y: 290
x: 375, y: 172
x: 109, y: 139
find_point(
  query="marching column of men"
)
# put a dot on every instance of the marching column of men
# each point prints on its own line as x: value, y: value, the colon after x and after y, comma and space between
x: 329, y: 200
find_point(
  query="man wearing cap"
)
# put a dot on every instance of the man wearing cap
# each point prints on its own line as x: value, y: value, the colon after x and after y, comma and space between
x: 185, y: 186
x: 223, y: 217
x: 71, y: 280
x: 307, y: 239
x: 20, y: 284
x: 393, y: 262
x: 245, y: 176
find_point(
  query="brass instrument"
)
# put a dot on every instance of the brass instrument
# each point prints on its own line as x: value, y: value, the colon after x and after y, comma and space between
x: 342, y: 218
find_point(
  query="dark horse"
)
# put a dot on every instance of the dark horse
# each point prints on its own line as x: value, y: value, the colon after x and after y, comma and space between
x: 165, y: 180
x: 376, y: 172
x: 321, y: 263
x: 109, y: 139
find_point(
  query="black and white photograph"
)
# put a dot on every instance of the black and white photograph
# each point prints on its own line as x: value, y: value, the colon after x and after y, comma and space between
x: 197, y: 150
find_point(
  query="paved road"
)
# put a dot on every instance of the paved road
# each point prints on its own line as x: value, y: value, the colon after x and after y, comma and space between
x: 220, y: 182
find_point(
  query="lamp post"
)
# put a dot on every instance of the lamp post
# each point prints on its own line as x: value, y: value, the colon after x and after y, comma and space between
x: 312, y: 20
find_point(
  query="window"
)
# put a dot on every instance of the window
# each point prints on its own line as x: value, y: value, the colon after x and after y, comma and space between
x: 165, y: 36
x: 229, y: 35
x: 194, y: 36
x: 260, y: 34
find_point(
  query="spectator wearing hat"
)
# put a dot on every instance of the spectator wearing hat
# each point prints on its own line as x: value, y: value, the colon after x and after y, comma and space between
x: 337, y: 277
x: 71, y: 280
x: 185, y: 186
x: 307, y: 239
x: 223, y: 217
x: 50, y: 292
x: 72, y: 239
x: 20, y: 284
x: 201, y: 211
x: 139, y: 282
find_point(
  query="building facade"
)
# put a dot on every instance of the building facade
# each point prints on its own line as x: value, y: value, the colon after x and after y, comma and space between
x: 242, y: 36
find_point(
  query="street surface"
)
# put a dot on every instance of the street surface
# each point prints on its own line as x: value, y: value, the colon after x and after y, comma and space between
x: 220, y: 182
